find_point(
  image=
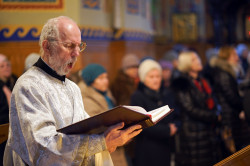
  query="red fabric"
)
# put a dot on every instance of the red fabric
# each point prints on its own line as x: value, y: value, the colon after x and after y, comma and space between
x: 204, y: 87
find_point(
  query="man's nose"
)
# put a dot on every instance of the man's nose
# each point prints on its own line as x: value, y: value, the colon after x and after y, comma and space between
x: 76, y: 52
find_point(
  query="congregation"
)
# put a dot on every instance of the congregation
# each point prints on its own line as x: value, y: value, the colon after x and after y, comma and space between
x: 211, y: 113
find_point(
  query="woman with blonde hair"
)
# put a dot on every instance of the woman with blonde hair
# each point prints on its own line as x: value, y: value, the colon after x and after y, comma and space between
x: 197, y: 112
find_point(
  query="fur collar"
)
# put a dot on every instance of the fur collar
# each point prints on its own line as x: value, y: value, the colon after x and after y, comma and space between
x: 182, y: 83
x: 223, y: 65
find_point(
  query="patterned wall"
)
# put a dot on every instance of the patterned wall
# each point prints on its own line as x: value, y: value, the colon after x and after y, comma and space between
x: 32, y: 33
x: 13, y: 32
x: 169, y: 13
x: 92, y: 4
x: 19, y: 33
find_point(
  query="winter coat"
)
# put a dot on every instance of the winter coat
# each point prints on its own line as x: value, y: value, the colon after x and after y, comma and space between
x: 197, y: 137
x: 4, y: 107
x: 227, y: 92
x: 11, y: 81
x: 152, y: 145
x: 95, y: 103
x: 122, y: 88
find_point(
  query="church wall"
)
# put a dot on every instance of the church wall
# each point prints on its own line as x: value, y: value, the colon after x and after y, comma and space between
x: 109, y: 35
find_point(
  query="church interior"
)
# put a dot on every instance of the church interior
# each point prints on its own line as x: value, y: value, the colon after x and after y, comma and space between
x: 113, y: 28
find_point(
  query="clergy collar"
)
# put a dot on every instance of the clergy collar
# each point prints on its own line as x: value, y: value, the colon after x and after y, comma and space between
x: 42, y: 65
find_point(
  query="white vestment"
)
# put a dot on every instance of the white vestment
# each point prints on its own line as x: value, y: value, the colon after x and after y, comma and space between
x: 41, y: 104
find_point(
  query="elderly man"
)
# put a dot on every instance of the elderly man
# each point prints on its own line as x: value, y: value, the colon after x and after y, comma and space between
x: 43, y: 101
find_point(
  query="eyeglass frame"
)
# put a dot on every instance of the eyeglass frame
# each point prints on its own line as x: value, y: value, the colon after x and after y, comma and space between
x: 72, y: 45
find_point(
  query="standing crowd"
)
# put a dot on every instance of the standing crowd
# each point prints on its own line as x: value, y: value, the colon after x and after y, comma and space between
x: 210, y: 121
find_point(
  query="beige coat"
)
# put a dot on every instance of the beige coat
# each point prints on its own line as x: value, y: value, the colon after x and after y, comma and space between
x: 95, y: 103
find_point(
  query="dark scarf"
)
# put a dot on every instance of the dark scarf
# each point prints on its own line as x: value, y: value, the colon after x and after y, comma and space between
x: 151, y: 94
x: 107, y: 98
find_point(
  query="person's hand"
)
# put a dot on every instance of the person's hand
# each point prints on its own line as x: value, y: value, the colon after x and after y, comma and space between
x: 173, y: 129
x: 115, y: 137
x: 242, y: 115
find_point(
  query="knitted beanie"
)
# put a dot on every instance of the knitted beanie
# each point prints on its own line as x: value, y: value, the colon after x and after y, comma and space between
x: 170, y: 55
x: 166, y: 64
x: 130, y: 60
x: 91, y: 72
x: 146, y: 66
x: 30, y: 60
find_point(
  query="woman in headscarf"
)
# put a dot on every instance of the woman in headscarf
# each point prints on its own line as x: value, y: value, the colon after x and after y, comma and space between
x: 97, y: 99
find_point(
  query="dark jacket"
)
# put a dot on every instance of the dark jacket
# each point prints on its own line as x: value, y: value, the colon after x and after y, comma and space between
x: 196, y: 134
x: 152, y: 144
x: 10, y: 83
x: 122, y: 88
x: 4, y: 107
x: 227, y: 92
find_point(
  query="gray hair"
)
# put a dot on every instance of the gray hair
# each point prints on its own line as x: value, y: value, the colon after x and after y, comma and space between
x: 50, y: 31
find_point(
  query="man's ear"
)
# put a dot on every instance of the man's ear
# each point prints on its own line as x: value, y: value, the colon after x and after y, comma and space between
x: 46, y: 46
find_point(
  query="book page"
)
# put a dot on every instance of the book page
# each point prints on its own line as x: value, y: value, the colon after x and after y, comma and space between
x: 136, y: 108
x: 158, y: 113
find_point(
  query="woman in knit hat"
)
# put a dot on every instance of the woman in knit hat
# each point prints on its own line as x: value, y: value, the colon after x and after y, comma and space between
x: 153, y: 145
x: 126, y: 80
x: 30, y: 60
x: 167, y: 68
x: 96, y: 96
x: 97, y: 99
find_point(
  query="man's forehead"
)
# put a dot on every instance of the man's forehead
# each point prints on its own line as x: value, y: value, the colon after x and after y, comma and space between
x: 67, y: 29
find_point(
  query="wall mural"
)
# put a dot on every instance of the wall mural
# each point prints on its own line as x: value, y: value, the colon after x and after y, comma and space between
x: 96, y: 33
x: 132, y: 7
x: 132, y: 35
x: 32, y: 33
x: 91, y: 4
x: 31, y: 4
x: 10, y: 33
x: 184, y: 27
x: 19, y: 33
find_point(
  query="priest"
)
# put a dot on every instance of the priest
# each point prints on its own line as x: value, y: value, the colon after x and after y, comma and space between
x: 43, y: 100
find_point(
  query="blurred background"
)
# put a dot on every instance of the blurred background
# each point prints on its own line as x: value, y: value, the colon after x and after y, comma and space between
x: 113, y: 28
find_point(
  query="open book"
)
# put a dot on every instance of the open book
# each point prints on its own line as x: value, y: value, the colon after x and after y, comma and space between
x: 130, y: 115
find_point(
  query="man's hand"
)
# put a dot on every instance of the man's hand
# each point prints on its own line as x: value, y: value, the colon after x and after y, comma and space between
x: 115, y: 137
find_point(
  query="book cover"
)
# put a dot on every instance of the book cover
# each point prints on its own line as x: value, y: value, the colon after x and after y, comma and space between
x: 99, y: 123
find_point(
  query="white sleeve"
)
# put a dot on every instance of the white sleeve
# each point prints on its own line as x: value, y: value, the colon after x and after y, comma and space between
x: 33, y: 132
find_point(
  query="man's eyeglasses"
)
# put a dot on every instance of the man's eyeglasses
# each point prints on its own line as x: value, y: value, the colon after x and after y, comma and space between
x: 71, y: 46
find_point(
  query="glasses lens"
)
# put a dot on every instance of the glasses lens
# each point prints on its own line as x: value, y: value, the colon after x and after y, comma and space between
x: 82, y: 46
